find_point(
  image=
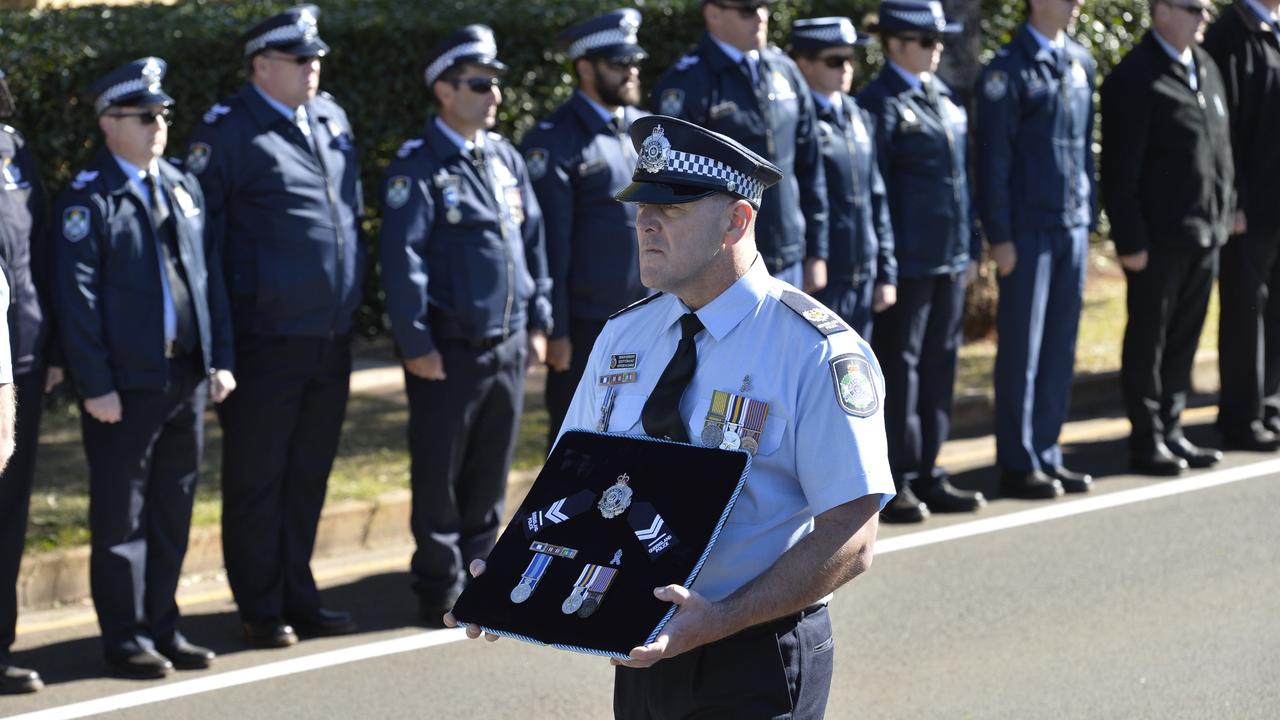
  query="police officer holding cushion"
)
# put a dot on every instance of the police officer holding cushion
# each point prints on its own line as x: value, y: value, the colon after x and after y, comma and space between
x: 279, y: 168
x: 465, y: 271
x: 862, y: 273
x: 1038, y: 201
x: 805, y: 522
x: 921, y: 136
x: 734, y: 83
x: 147, y: 331
x: 578, y: 157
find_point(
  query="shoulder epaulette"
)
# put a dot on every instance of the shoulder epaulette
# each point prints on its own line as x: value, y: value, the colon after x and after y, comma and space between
x: 636, y: 304
x: 83, y: 179
x: 325, y: 94
x: 216, y: 113
x: 546, y: 125
x: 409, y: 147
x: 686, y: 62
x: 813, y: 312
x: 10, y: 129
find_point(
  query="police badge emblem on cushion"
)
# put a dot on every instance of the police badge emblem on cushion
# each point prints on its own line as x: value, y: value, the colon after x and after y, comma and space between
x: 611, y: 517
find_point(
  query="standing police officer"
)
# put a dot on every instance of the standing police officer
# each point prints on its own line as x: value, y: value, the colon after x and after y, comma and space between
x: 862, y: 273
x: 578, y: 158
x: 278, y: 165
x: 734, y: 84
x: 1167, y: 185
x: 1245, y: 42
x: 144, y: 321
x: 24, y: 260
x: 1038, y: 202
x: 465, y: 271
x: 921, y: 135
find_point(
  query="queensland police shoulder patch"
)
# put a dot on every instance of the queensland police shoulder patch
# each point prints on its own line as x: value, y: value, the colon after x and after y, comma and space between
x: 855, y: 387
x: 198, y: 157
x: 535, y: 159
x: 75, y: 223
x: 996, y: 85
x: 672, y: 101
x: 398, y: 189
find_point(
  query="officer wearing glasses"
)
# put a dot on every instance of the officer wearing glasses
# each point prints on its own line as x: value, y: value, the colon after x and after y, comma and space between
x: 735, y: 84
x: 465, y: 271
x: 578, y: 158
x: 279, y: 168
x: 145, y: 324
x: 861, y: 270
x: 1038, y: 199
x: 921, y: 136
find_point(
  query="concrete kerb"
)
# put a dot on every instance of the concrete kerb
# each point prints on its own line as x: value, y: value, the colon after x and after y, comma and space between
x: 61, y: 577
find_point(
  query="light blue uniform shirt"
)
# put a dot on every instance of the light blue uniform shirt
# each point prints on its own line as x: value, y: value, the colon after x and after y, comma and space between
x: 137, y: 178
x: 464, y: 145
x: 813, y: 455
x: 6, y: 360
x: 297, y: 117
x: 1185, y: 57
x: 736, y: 55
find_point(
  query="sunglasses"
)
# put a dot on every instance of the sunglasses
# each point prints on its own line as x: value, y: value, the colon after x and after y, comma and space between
x: 295, y: 59
x: 480, y: 85
x: 146, y: 117
x: 926, y: 41
x: 746, y: 12
x: 1196, y: 10
x: 622, y: 66
x: 837, y: 61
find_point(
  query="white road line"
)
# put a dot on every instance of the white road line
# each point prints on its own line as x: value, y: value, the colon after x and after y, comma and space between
x: 419, y: 641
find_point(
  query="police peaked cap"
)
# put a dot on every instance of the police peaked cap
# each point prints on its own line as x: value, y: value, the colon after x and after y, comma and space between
x: 680, y: 162
x: 611, y: 36
x: 137, y: 83
x: 914, y: 15
x: 472, y: 44
x: 293, y: 31
x: 822, y: 33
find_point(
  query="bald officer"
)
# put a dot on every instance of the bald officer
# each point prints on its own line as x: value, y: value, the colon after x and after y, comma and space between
x: 806, y: 521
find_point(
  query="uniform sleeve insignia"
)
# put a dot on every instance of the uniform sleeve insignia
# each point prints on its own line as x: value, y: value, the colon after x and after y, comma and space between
x: 672, y: 101
x: 198, y: 157
x: 398, y: 191
x: 536, y: 160
x: 996, y: 85
x: 855, y: 387
x: 215, y: 113
x: 408, y: 147
x: 687, y: 62
x: 83, y: 179
x: 75, y: 223
x: 822, y: 319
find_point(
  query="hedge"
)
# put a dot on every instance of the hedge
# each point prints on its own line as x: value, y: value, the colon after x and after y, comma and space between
x: 375, y: 69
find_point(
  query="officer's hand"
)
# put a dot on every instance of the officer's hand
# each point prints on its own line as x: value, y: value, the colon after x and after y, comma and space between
x: 221, y: 385
x: 1241, y: 224
x: 695, y: 624
x: 53, y: 377
x: 559, y: 354
x: 537, y: 349
x: 815, y: 274
x: 473, y: 632
x: 105, y: 408
x: 883, y: 297
x: 970, y: 273
x: 1136, y: 262
x: 427, y: 367
x: 1006, y: 257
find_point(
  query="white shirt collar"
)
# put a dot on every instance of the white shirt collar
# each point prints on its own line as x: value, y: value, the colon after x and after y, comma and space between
x: 1184, y: 57
x: 463, y: 144
x: 1045, y: 42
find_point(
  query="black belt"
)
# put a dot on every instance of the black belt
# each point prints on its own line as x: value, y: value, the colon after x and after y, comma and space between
x: 783, y: 624
x: 480, y: 343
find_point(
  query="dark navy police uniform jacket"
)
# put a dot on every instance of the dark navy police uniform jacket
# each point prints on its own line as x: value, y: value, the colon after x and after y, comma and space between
x: 24, y: 250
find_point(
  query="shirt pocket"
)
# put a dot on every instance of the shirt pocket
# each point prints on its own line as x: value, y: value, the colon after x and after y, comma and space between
x: 625, y: 417
x: 775, y: 428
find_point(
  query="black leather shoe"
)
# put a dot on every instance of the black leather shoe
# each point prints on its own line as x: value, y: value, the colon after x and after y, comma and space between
x: 1196, y: 457
x: 1072, y: 482
x: 188, y: 656
x: 1254, y: 438
x: 943, y: 497
x: 325, y: 623
x: 1033, y: 485
x: 16, y: 680
x: 1160, y: 462
x: 272, y: 634
x: 147, y: 664
x: 905, y: 507
x: 1272, y: 423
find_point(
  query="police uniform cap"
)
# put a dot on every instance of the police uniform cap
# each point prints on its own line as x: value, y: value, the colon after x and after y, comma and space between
x: 294, y: 31
x: 680, y: 162
x: 472, y: 44
x: 817, y: 34
x: 611, y: 36
x: 913, y: 16
x: 739, y: 3
x: 137, y: 83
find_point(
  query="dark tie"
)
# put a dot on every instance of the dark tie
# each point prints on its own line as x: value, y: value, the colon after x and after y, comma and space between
x: 166, y: 242
x: 931, y: 94
x: 661, y: 414
x: 159, y: 209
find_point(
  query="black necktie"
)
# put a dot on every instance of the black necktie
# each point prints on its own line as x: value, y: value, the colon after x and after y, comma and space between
x: 159, y: 210
x: 166, y: 242
x: 661, y: 414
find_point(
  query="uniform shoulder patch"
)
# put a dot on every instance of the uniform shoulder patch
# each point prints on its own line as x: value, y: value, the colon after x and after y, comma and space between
x: 216, y: 113
x: 409, y: 147
x: 671, y: 102
x: 75, y: 223
x: 996, y: 85
x: 813, y: 312
x: 855, y: 387
x: 83, y: 179
x: 536, y: 160
x: 636, y: 304
x: 198, y: 157
x: 398, y: 190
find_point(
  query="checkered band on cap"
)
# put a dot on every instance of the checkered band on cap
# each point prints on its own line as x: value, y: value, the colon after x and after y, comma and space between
x: 128, y: 87
x: 931, y: 16
x: 827, y: 30
x: 601, y: 39
x: 304, y: 30
x: 477, y: 48
x: 734, y: 181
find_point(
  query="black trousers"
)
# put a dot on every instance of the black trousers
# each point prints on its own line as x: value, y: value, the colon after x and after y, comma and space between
x: 916, y: 341
x: 462, y: 435
x: 780, y: 669
x: 561, y: 385
x: 142, y: 484
x: 1167, y: 303
x: 15, y: 499
x: 280, y: 435
x: 1249, y: 330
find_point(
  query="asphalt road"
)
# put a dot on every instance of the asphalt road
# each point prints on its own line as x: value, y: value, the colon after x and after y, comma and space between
x: 1128, y: 605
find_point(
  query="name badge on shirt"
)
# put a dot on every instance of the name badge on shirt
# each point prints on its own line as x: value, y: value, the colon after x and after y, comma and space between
x: 448, y: 185
x: 625, y: 361
x: 185, y: 203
